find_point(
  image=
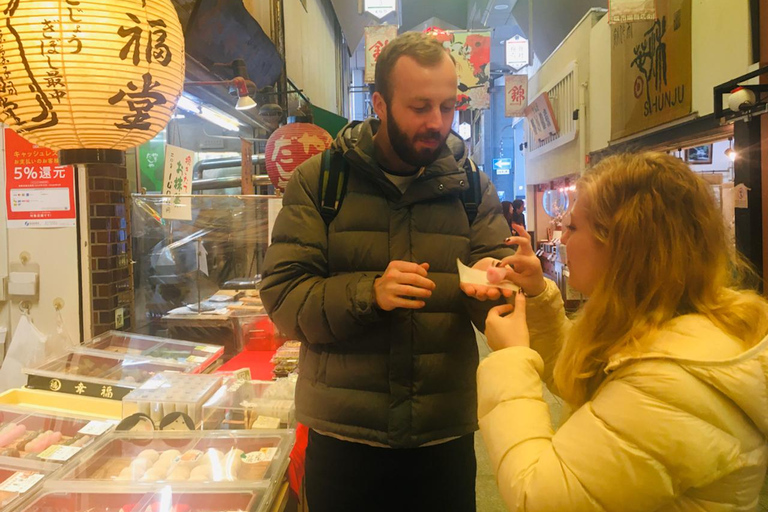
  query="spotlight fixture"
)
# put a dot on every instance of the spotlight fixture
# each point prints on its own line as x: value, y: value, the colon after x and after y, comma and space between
x: 730, y: 152
x: 238, y: 84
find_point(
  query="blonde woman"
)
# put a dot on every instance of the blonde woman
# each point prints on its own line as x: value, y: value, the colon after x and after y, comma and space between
x: 665, y: 367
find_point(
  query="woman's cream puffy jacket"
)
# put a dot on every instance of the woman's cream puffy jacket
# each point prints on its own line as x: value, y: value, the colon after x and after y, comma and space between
x: 680, y: 427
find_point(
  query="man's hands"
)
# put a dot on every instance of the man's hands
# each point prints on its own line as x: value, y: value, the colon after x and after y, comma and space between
x: 481, y: 292
x: 403, y: 285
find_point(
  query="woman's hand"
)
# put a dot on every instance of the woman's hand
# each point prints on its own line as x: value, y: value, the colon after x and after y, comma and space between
x: 524, y: 266
x: 510, y: 330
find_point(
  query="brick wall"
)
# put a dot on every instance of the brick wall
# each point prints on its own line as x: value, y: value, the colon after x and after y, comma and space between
x: 110, y: 246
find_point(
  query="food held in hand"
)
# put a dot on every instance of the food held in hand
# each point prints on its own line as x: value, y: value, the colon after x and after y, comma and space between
x: 495, y: 275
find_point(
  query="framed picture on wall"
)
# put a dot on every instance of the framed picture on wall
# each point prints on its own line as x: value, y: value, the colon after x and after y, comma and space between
x: 699, y: 155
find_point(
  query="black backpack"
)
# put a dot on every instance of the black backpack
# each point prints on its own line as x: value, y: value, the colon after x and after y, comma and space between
x: 334, y: 173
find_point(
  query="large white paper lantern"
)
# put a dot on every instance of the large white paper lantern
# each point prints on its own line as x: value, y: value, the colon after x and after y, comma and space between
x: 89, y: 78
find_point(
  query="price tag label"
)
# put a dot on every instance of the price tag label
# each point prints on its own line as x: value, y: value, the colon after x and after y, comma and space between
x: 96, y: 428
x: 263, y: 455
x: 21, y: 482
x: 59, y: 452
x: 196, y: 359
x: 243, y: 374
x: 266, y: 422
x: 208, y: 348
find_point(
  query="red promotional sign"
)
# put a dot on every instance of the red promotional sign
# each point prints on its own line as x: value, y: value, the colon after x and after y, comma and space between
x: 39, y: 192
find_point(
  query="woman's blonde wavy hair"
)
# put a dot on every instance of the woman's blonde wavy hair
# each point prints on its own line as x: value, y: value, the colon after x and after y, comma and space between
x: 667, y: 256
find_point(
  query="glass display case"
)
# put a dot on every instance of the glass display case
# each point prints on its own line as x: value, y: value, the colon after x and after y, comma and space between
x: 38, y: 441
x: 208, y: 459
x: 17, y: 483
x: 100, y: 374
x: 199, y: 356
x: 166, y: 393
x: 165, y: 499
x: 251, y: 405
x: 197, y: 278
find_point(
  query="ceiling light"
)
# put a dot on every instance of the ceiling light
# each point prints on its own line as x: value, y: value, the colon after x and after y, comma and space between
x: 219, y: 119
x: 244, y: 103
x: 209, y: 114
x: 501, y: 7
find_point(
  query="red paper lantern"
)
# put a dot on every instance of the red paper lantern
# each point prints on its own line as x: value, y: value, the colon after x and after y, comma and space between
x: 291, y: 145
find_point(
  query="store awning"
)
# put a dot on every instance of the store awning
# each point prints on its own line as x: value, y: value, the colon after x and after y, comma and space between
x: 220, y: 32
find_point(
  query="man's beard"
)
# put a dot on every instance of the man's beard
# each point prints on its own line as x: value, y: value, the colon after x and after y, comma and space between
x: 405, y: 148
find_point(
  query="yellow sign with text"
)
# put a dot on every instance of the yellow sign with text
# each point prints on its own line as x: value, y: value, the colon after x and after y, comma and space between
x: 651, y: 70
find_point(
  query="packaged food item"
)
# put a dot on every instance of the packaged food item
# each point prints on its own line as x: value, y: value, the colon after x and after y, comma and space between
x: 169, y: 392
x: 248, y: 457
x: 16, y: 483
x: 41, y: 440
x: 251, y: 404
x: 286, y: 359
x: 199, y: 355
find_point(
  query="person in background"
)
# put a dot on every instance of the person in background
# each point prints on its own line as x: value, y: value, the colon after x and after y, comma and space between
x: 518, y: 207
x: 507, y: 211
x: 665, y: 366
x: 388, y: 355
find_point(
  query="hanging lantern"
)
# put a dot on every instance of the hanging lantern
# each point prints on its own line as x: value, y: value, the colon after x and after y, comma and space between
x: 89, y: 78
x: 291, y: 145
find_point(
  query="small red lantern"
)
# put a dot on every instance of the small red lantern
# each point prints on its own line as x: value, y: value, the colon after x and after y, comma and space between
x: 291, y: 145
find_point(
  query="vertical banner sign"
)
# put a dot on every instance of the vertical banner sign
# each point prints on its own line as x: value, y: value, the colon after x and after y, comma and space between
x: 177, y: 181
x: 541, y: 118
x: 651, y: 77
x: 628, y: 11
x: 515, y: 95
x: 38, y: 191
x: 376, y: 38
x: 472, y: 53
x: 517, y: 52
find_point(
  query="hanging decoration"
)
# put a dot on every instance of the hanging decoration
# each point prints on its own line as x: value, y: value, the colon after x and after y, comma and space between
x: 376, y: 38
x: 291, y: 145
x: 515, y: 95
x: 89, y: 78
x: 472, y: 53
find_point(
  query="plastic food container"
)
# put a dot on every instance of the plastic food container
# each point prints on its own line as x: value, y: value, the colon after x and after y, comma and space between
x: 250, y: 405
x: 160, y: 500
x: 242, y: 459
x: 199, y: 355
x: 17, y: 483
x: 37, y: 441
x: 172, y: 392
x: 99, y: 375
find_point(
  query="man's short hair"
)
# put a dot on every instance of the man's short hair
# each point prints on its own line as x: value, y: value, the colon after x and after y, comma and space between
x: 424, y: 49
x: 517, y: 204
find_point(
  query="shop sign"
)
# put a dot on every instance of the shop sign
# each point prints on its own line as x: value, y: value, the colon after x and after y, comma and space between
x: 472, y: 53
x: 39, y: 192
x: 177, y: 182
x: 502, y: 166
x: 380, y: 8
x: 517, y: 52
x: 151, y: 160
x: 628, y: 11
x: 515, y: 95
x: 651, y: 73
x: 541, y: 118
x: 376, y: 38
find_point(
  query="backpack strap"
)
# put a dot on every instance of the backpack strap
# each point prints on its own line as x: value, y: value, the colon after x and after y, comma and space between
x: 471, y: 195
x: 333, y: 184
